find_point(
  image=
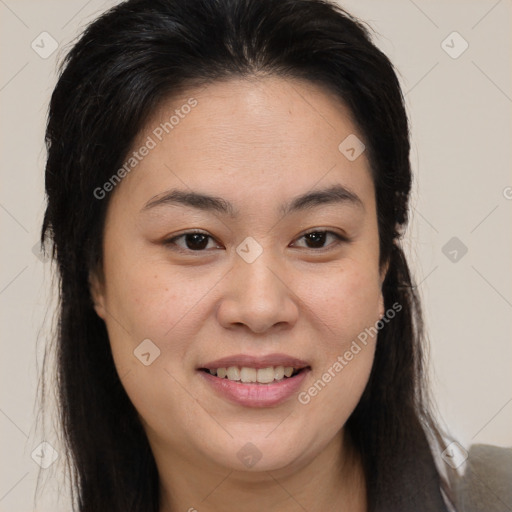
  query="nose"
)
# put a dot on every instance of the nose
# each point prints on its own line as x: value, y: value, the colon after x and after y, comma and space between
x: 259, y: 296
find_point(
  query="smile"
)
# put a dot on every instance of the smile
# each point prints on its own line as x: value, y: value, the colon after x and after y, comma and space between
x: 248, y: 375
x: 251, y: 381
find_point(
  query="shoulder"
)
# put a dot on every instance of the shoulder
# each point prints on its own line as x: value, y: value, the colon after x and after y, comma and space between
x: 483, y: 481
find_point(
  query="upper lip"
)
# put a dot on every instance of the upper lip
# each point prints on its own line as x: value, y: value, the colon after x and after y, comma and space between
x: 257, y: 362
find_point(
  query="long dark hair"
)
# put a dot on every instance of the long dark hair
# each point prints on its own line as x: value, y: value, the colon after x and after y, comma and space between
x: 124, y: 65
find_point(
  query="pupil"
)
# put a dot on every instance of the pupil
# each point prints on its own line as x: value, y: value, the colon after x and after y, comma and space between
x: 318, y: 239
x: 196, y: 241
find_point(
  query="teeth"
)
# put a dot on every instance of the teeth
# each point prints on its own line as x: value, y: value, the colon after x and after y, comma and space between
x: 248, y: 375
x: 233, y: 373
x: 265, y: 375
x: 278, y: 372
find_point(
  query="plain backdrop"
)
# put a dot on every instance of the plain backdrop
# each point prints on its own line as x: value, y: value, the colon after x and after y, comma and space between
x: 459, y: 245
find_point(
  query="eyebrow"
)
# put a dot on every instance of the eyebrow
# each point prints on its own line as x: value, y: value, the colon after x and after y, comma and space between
x: 336, y: 194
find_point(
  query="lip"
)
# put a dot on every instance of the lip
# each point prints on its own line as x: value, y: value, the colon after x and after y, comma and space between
x: 255, y: 395
x: 257, y: 362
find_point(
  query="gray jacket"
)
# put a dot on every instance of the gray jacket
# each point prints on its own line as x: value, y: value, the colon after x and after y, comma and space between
x: 485, y: 482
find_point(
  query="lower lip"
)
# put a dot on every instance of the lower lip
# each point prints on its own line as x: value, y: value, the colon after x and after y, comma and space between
x: 256, y: 395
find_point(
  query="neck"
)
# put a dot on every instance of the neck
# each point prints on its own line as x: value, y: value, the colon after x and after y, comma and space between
x: 333, y: 480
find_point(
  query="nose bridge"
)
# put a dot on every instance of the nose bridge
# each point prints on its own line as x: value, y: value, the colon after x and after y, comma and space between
x: 257, y: 295
x: 255, y: 269
x: 258, y: 273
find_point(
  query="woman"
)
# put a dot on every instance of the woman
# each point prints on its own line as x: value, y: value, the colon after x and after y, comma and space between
x: 227, y: 187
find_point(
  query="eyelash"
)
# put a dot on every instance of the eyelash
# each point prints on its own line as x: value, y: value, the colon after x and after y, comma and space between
x: 339, y: 239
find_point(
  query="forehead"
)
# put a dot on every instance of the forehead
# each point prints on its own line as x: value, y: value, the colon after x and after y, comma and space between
x: 259, y: 136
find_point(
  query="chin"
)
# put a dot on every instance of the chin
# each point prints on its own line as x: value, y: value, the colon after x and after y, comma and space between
x: 259, y: 452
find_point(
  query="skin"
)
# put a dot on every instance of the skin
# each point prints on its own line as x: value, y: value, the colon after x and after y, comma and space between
x: 257, y: 143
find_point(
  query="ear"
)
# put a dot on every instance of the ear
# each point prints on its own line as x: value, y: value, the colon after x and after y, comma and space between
x: 97, y: 290
x: 383, y: 273
x: 381, y: 306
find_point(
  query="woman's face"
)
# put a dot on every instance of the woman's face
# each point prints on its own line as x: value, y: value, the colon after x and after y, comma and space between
x: 253, y: 291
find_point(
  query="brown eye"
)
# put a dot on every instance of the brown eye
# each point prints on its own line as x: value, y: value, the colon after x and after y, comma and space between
x: 192, y: 241
x: 317, y: 239
x: 196, y: 241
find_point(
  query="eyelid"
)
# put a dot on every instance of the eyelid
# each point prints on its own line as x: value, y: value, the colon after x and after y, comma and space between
x: 324, y: 230
x: 340, y: 239
x: 171, y: 241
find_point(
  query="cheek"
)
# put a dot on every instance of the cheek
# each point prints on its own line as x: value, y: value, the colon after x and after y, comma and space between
x: 346, y: 299
x: 335, y: 390
x: 346, y: 306
x: 152, y: 302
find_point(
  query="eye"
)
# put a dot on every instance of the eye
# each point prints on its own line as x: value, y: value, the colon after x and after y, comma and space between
x: 191, y: 241
x: 317, y: 239
x: 197, y: 241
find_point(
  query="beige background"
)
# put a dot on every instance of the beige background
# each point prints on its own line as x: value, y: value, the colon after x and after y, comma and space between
x: 461, y: 129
